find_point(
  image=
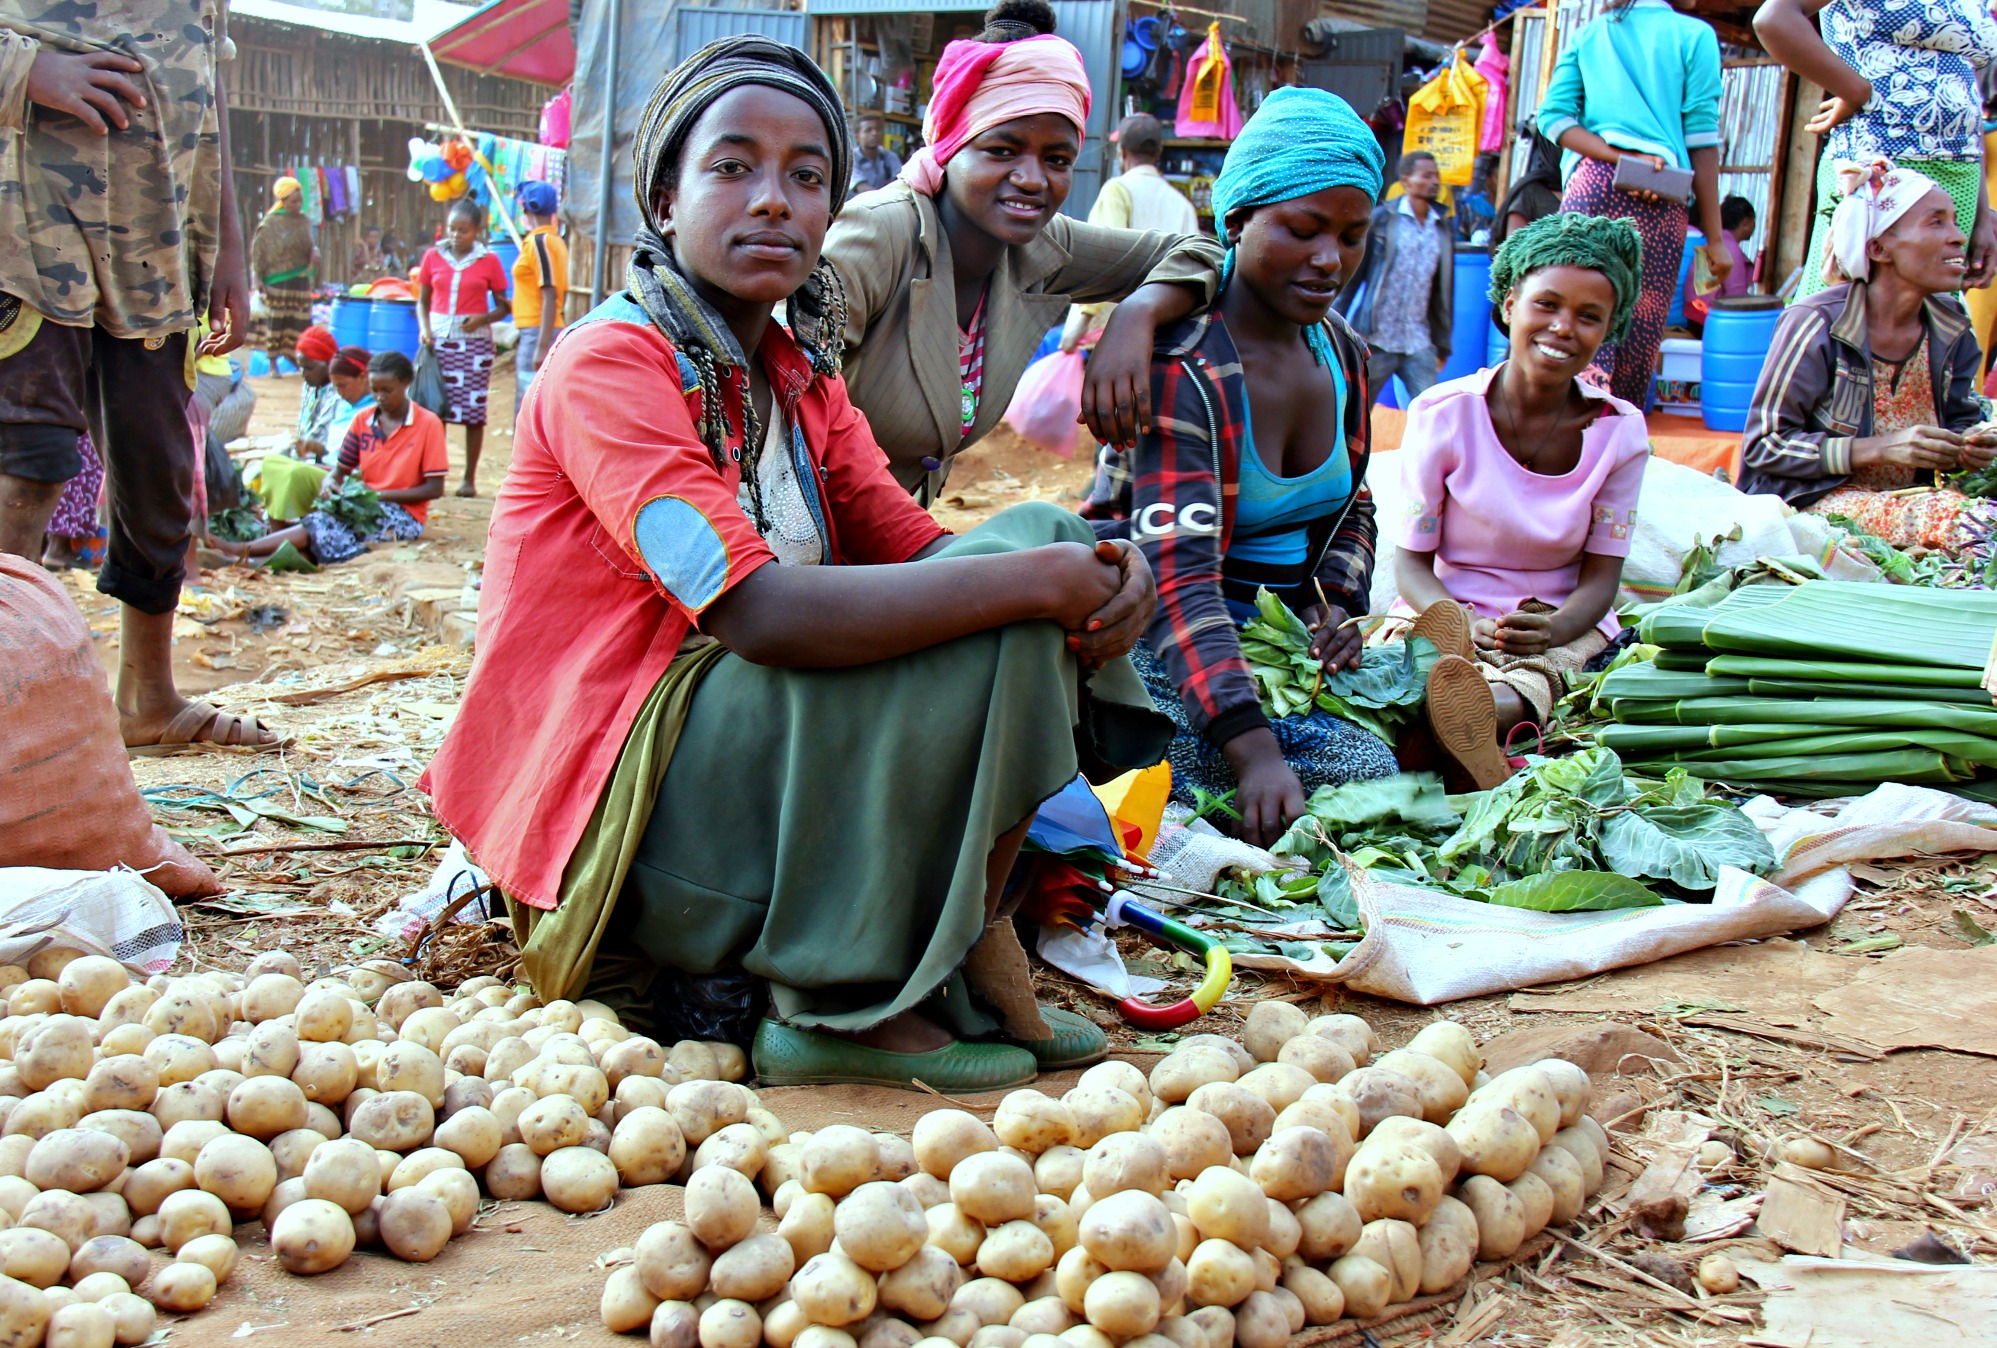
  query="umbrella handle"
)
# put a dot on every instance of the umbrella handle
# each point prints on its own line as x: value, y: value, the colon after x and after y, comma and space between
x: 1219, y: 965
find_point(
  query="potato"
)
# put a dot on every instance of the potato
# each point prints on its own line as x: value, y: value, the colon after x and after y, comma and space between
x: 1248, y: 1117
x: 24, y: 1311
x: 58, y: 1049
x: 721, y: 1206
x: 1536, y: 1195
x: 1102, y: 1110
x: 1719, y: 1275
x: 1379, y: 1093
x: 1295, y: 1164
x: 327, y: 1072
x: 646, y: 1147
x: 1353, y: 1033
x: 1451, y: 1044
x: 953, y: 1232
x: 1424, y: 1136
x: 807, y: 1225
x: 119, y: 1255
x: 120, y: 1081
x: 344, y: 1172
x: 1807, y: 1152
x: 109, y: 1215
x: 1015, y: 1251
x: 1499, y: 1215
x: 238, y: 1170
x: 1530, y: 1092
x: 1184, y: 1070
x: 1044, y: 1316
x: 1328, y: 1227
x: 149, y: 1184
x: 192, y: 1213
x: 515, y: 1173
x: 217, y: 1254
x: 132, y: 1318
x: 312, y: 1236
x: 1058, y: 1170
x: 1580, y: 1145
x: 739, y: 1146
x: 704, y: 1107
x: 61, y: 1214
x: 1269, y: 1026
x: 923, y: 1286
x: 1126, y: 1161
x: 1323, y: 1059
x: 1394, y: 1245
x: 671, y: 1262
x: 1390, y: 1180
x: 293, y: 1149
x: 1448, y: 1244
x: 1058, y: 1220
x: 1073, y: 1273
x: 78, y: 1160
x: 754, y: 1269
x: 676, y: 1324
x: 1131, y: 1231
x: 323, y: 1016
x: 1033, y: 1122
x: 1193, y: 1140
x: 989, y: 1187
x: 582, y: 1179
x: 185, y: 1139
x: 1570, y: 1087
x: 36, y: 1257
x: 1262, y: 1321
x: 625, y: 1304
x: 1281, y: 1084
x: 1227, y: 1205
x: 1495, y: 1140
x: 1440, y: 1088
x: 833, y: 1290
x: 81, y: 1325
x: 394, y: 1121
x: 731, y: 1324
x: 553, y: 1122
x: 185, y: 1288
x: 472, y: 1134
x: 1562, y: 1175
x: 1367, y: 1285
x: 1122, y: 1304
x: 880, y: 1225
x: 419, y: 1165
x: 412, y: 1067
x: 1219, y: 1273
x: 416, y: 1225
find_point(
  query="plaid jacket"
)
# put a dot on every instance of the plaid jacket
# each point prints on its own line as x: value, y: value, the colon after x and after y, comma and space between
x: 1175, y: 493
x: 1815, y: 393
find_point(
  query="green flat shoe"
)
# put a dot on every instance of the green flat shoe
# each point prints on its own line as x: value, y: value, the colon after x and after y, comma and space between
x: 1077, y: 1041
x: 785, y: 1055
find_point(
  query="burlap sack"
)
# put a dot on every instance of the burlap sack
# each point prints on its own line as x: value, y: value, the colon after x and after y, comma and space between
x: 67, y: 798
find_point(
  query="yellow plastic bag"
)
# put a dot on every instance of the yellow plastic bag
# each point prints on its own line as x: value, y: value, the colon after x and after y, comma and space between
x: 1444, y: 117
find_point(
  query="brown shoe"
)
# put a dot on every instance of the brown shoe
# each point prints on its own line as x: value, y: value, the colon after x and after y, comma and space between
x: 1464, y: 717
x: 1447, y: 624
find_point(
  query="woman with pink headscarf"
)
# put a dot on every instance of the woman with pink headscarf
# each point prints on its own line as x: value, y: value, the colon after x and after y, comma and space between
x: 955, y: 272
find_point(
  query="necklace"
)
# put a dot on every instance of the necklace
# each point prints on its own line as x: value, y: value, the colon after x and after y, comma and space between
x: 1530, y: 457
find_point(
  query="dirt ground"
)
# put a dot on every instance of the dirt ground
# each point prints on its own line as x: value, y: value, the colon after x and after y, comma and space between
x: 362, y: 665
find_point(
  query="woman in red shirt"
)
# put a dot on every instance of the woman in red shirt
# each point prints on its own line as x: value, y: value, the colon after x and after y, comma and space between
x: 461, y: 293
x: 741, y: 707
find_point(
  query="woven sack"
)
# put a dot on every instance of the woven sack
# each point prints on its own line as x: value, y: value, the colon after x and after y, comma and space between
x: 67, y: 798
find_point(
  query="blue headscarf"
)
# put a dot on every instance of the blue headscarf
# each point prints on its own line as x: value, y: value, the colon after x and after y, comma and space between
x: 1298, y: 142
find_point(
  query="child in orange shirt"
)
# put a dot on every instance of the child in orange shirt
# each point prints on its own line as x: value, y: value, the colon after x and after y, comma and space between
x: 398, y: 449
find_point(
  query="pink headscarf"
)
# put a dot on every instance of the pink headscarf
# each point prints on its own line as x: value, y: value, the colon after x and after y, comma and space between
x: 980, y: 85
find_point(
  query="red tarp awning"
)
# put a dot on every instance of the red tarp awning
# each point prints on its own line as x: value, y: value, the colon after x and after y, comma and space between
x: 526, y: 39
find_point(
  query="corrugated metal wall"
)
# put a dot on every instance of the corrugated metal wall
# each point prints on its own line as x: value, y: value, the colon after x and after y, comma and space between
x: 698, y: 25
x: 1092, y: 26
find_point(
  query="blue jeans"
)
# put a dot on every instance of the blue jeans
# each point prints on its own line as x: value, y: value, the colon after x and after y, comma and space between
x: 1417, y: 370
x: 523, y: 365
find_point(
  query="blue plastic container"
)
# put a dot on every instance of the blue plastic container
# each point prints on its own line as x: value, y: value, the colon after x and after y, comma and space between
x: 1738, y: 333
x: 392, y: 326
x: 1471, y: 322
x: 1694, y: 238
x: 1497, y: 346
x: 350, y: 320
x: 508, y: 253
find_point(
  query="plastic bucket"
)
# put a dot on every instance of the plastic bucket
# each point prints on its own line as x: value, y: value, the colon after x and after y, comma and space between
x: 1471, y: 321
x: 1497, y: 346
x: 392, y: 326
x: 350, y: 321
x: 1739, y: 331
x: 508, y: 253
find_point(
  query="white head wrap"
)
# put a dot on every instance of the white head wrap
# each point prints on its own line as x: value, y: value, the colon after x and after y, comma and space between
x: 1875, y: 195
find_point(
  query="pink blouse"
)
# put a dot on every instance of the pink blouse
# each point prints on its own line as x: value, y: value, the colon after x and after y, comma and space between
x: 1501, y: 533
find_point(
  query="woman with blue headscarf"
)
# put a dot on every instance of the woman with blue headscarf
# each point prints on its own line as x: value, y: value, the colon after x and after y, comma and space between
x: 1253, y: 474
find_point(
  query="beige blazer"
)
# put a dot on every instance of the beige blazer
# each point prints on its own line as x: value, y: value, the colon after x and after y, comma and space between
x: 901, y: 319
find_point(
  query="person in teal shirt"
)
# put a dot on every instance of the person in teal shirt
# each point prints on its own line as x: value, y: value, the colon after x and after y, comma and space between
x: 1643, y: 82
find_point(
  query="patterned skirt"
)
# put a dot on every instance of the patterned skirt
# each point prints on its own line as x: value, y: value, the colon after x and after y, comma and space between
x: 288, y: 306
x: 466, y: 364
x: 1320, y: 748
x: 331, y: 541
x: 1630, y: 365
x: 75, y: 516
x: 1929, y: 519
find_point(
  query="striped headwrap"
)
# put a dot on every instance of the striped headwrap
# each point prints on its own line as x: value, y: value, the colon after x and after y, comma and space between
x: 1611, y: 247
x: 817, y: 312
x: 1298, y: 142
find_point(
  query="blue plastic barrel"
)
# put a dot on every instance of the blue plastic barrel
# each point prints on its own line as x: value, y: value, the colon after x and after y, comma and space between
x: 1497, y: 346
x: 508, y: 253
x: 1739, y: 331
x: 1471, y: 323
x: 392, y: 326
x: 350, y: 320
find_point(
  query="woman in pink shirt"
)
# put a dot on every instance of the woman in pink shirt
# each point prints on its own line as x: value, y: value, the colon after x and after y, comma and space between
x: 1521, y: 487
x: 461, y: 293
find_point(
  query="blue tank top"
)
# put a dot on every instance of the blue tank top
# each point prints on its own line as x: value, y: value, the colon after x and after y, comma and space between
x: 1272, y: 515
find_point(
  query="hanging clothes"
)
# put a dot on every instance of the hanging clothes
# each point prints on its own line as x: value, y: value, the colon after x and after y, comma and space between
x: 1496, y: 69
x: 1207, y: 110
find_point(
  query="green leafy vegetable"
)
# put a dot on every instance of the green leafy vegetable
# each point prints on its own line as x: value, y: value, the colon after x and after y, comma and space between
x: 1571, y: 892
x: 355, y: 506
x: 1379, y: 696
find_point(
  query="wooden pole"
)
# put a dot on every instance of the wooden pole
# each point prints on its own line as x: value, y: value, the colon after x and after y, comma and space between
x: 607, y: 160
x: 451, y: 108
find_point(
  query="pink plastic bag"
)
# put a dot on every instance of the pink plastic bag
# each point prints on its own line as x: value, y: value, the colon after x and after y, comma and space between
x: 1048, y: 402
x: 555, y: 121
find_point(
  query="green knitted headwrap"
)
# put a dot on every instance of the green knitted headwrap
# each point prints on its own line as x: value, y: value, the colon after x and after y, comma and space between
x: 1611, y: 247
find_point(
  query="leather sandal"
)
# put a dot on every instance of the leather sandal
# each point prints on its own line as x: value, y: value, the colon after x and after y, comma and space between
x: 198, y: 727
x: 787, y: 1055
x: 1463, y: 715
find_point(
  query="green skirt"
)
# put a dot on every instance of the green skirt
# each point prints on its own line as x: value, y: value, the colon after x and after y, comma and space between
x: 287, y: 487
x: 828, y: 830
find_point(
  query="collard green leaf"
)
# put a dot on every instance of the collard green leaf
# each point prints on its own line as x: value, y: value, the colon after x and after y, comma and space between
x: 1572, y: 892
x: 1685, y: 844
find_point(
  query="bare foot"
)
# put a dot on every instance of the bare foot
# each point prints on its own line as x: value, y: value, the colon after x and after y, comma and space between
x: 909, y: 1032
x: 467, y: 489
x: 193, y: 724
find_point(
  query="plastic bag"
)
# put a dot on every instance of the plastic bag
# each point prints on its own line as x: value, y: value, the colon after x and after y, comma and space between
x: 1445, y: 118
x: 118, y: 913
x: 428, y: 390
x: 1048, y: 401
x: 720, y: 1007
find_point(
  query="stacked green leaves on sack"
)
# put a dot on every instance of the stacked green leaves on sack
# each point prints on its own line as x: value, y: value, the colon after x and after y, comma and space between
x: 1563, y: 835
x: 1380, y: 696
x: 1827, y: 688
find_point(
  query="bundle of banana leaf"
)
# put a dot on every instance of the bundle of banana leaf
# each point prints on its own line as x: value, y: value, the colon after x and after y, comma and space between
x: 1380, y: 696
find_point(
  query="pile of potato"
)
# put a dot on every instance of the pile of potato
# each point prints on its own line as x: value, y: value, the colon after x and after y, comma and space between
x: 360, y: 1111
x: 1238, y: 1193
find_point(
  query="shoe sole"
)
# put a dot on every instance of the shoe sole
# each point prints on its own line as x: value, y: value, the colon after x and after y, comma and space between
x: 1464, y: 717
x: 1447, y: 624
